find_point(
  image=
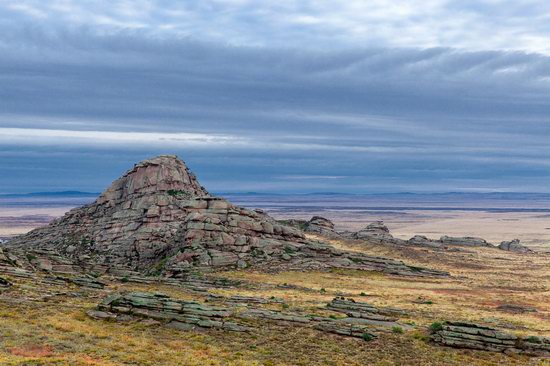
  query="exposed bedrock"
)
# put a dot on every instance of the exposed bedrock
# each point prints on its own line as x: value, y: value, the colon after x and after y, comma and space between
x: 174, y: 313
x: 322, y: 226
x: 375, y: 232
x: 514, y: 246
x: 473, y: 336
x: 158, y: 220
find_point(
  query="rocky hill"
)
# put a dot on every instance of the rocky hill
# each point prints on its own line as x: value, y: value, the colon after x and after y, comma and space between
x: 158, y: 219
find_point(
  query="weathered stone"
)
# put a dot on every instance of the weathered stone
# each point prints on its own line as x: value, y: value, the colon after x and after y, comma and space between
x: 473, y: 336
x: 514, y: 246
x: 183, y: 315
x: 100, y: 315
x: 356, y: 309
x: 88, y: 282
x: 375, y: 232
x: 274, y: 315
x: 350, y: 330
x: 237, y: 299
x: 320, y: 225
x: 421, y: 240
x: 464, y: 241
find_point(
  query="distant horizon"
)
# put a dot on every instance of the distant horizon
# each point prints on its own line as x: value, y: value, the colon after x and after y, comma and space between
x: 86, y: 193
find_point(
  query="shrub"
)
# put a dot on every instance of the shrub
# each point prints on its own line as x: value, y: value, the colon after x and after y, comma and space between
x: 30, y: 257
x: 397, y: 329
x: 323, y: 290
x: 362, y: 294
x: 436, y: 327
x: 367, y: 337
x: 533, y: 339
x: 178, y: 193
x: 289, y: 250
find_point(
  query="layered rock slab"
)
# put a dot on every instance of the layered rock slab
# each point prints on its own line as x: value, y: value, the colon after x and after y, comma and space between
x: 175, y: 313
x: 473, y: 336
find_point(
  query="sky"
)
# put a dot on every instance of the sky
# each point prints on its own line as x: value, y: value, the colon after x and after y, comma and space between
x: 278, y: 96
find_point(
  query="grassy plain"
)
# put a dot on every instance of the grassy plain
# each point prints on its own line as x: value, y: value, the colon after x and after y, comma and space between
x: 48, y: 326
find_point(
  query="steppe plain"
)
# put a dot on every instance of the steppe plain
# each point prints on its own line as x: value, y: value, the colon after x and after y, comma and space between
x: 48, y: 325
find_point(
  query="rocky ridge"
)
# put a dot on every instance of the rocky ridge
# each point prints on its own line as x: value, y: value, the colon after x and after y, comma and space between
x: 240, y: 314
x: 158, y: 220
x: 378, y: 233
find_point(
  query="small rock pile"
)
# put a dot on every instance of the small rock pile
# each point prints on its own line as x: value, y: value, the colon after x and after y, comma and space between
x: 473, y: 336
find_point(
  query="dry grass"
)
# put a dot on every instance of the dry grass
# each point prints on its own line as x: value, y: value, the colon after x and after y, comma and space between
x: 57, y: 331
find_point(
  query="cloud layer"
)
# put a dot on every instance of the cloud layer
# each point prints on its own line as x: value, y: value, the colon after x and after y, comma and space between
x: 479, y: 24
x: 81, y: 102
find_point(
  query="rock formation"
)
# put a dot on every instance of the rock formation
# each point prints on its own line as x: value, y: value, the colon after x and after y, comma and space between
x: 421, y: 240
x: 464, y: 241
x: 375, y: 232
x: 241, y: 313
x: 320, y: 225
x: 363, y: 310
x: 157, y: 219
x: 473, y: 336
x: 183, y: 315
x: 514, y: 246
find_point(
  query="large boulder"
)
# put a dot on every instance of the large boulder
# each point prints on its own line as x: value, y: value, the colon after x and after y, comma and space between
x: 514, y: 246
x: 322, y: 226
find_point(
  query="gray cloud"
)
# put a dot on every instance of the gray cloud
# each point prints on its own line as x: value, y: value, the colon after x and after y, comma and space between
x: 82, y: 105
x: 480, y: 24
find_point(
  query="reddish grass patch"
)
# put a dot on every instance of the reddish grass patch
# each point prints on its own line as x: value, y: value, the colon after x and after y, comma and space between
x: 32, y: 350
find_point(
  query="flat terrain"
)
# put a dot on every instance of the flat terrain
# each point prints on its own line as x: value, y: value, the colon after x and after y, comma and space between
x: 44, y: 323
x: 47, y: 325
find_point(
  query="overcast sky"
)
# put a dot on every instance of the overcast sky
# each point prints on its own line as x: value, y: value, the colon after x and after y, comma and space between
x: 278, y: 96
